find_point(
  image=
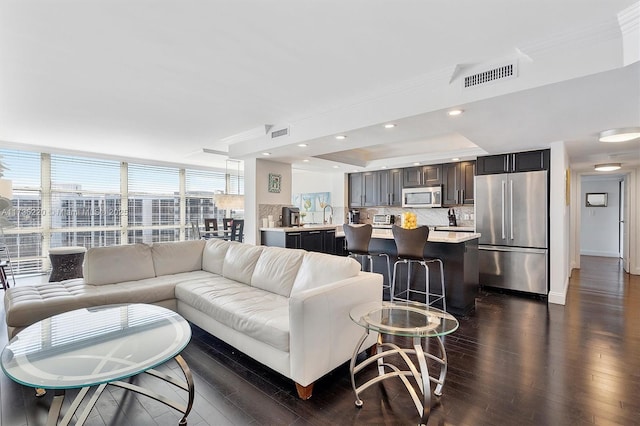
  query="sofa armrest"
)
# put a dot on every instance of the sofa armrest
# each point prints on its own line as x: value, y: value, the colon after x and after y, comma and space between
x: 322, y: 335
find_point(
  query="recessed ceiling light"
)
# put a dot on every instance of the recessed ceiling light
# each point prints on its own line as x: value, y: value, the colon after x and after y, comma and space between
x: 306, y: 160
x: 454, y: 112
x: 266, y: 153
x: 389, y: 126
x: 336, y: 167
x: 341, y: 137
x: 608, y: 167
x: 384, y: 167
x: 455, y: 159
x: 303, y: 145
x: 416, y: 164
x: 620, y: 135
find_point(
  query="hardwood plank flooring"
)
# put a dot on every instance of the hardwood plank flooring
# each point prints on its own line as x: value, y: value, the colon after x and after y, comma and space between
x: 514, y: 361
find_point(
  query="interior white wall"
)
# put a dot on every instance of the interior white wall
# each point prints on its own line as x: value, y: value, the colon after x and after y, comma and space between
x: 559, y: 224
x: 306, y: 181
x: 256, y: 173
x: 633, y: 223
x: 599, y: 227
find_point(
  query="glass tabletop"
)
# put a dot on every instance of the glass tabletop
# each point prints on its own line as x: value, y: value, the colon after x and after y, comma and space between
x: 409, y: 319
x: 97, y: 345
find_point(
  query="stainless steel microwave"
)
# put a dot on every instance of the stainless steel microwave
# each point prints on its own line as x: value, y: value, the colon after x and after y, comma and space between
x: 426, y: 196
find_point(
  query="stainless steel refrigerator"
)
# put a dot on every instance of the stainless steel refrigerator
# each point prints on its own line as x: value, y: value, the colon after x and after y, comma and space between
x: 512, y: 215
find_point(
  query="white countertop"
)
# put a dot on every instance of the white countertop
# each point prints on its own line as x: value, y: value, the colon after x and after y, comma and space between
x: 434, y: 236
x: 455, y: 228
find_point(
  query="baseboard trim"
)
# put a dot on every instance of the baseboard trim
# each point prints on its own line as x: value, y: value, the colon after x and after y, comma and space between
x: 559, y: 298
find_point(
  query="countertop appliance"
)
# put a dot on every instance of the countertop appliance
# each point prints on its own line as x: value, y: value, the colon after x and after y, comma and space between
x: 451, y: 214
x: 512, y: 216
x: 290, y: 216
x: 354, y: 216
x: 424, y: 196
x: 383, y: 220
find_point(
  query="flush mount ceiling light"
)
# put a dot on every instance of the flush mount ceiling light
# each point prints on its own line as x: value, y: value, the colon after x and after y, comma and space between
x: 620, y: 135
x: 341, y: 137
x: 608, y: 167
x: 389, y: 126
x: 454, y: 112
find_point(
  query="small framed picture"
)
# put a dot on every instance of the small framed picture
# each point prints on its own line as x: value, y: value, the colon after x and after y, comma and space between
x: 596, y: 199
x: 274, y: 182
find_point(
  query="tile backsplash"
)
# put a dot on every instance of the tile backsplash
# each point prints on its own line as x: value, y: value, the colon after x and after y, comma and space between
x: 430, y: 217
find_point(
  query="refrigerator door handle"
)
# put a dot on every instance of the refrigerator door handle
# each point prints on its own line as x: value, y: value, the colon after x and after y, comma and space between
x: 504, y: 188
x: 512, y: 249
x: 511, y: 208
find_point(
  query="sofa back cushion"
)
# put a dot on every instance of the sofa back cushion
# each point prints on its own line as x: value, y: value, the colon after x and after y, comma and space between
x: 175, y: 257
x: 319, y: 269
x: 276, y: 270
x: 240, y: 261
x: 116, y: 264
x: 213, y: 255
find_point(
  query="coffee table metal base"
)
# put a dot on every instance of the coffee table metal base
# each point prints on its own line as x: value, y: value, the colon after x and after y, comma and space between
x: 419, y: 373
x: 188, y: 386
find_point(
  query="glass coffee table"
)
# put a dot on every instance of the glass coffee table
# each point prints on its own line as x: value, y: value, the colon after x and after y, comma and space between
x: 417, y: 321
x: 96, y: 347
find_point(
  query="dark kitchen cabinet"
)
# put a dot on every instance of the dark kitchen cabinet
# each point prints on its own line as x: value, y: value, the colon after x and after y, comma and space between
x: 320, y: 240
x: 389, y: 184
x: 311, y: 240
x: 527, y: 161
x: 458, y: 181
x: 362, y: 189
x: 422, y: 175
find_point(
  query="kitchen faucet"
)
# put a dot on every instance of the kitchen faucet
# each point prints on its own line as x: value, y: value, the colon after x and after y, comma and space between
x: 324, y: 210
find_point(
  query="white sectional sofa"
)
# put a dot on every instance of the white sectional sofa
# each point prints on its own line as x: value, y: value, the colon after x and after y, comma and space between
x: 288, y: 309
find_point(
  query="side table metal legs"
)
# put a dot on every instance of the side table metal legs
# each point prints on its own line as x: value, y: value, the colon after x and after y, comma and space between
x: 420, y: 373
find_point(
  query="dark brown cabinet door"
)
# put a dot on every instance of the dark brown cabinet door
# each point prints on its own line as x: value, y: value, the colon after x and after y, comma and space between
x: 369, y: 189
x: 432, y: 175
x: 389, y: 184
x: 412, y: 176
x: 311, y: 240
x: 458, y: 183
x: 356, y: 197
x: 329, y: 241
x: 493, y: 164
x: 530, y: 161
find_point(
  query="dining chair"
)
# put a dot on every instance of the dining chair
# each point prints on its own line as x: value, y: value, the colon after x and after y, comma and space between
x: 237, y: 230
x: 210, y: 224
x: 410, y: 244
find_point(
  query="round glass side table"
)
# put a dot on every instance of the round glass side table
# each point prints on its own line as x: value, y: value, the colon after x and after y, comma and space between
x: 409, y: 319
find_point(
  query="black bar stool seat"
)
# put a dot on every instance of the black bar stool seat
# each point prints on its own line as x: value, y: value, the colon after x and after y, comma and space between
x: 358, y: 238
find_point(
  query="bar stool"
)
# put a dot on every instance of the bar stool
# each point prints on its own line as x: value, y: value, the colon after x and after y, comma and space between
x: 410, y: 244
x: 358, y: 238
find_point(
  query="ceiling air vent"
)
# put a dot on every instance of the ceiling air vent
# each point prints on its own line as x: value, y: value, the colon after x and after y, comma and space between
x: 499, y: 73
x: 280, y: 133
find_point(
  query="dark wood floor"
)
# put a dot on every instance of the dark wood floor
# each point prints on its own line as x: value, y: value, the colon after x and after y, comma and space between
x: 514, y: 361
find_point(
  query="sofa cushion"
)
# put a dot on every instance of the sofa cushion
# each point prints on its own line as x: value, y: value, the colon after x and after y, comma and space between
x: 176, y: 257
x: 276, y: 270
x: 213, y: 255
x: 115, y: 264
x: 318, y: 269
x: 256, y: 313
x: 240, y: 261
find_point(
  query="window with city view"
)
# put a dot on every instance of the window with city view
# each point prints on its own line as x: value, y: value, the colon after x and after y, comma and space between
x: 61, y: 200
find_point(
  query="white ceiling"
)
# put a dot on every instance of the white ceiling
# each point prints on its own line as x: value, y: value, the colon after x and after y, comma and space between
x: 164, y: 80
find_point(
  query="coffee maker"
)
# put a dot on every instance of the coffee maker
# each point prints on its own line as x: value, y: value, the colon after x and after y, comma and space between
x: 290, y: 216
x: 354, y: 216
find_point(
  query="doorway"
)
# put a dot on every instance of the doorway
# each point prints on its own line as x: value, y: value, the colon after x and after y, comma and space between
x: 602, y: 226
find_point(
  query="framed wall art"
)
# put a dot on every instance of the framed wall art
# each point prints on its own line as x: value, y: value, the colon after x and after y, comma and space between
x: 274, y: 182
x: 596, y: 199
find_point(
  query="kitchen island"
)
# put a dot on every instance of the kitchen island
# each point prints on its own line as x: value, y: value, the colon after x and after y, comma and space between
x: 458, y: 251
x: 459, y: 254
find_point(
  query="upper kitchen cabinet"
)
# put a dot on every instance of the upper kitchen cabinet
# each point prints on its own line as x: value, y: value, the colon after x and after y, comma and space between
x: 457, y: 179
x: 422, y: 176
x: 527, y: 161
x: 363, y: 189
x: 390, y: 187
